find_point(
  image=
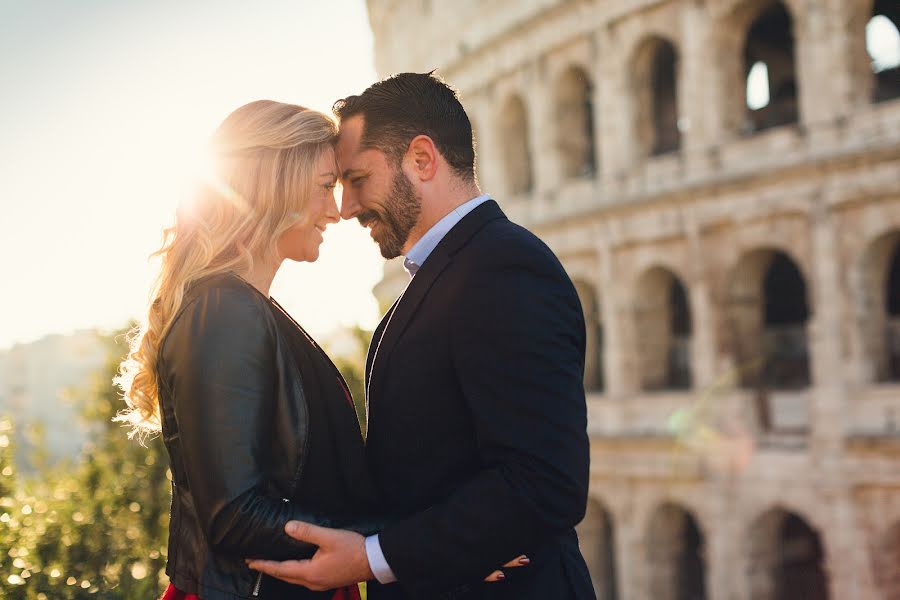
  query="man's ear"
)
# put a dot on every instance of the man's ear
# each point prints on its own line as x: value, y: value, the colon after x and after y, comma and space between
x: 422, y: 158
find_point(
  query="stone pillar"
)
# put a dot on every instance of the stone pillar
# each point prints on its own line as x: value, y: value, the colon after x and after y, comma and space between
x: 703, y: 338
x: 697, y: 89
x: 849, y: 74
x: 727, y: 88
x: 616, y: 139
x: 630, y: 557
x: 601, y: 118
x: 724, y: 544
x: 847, y: 562
x: 813, y: 74
x: 827, y: 391
x: 613, y: 350
x: 489, y: 161
x: 542, y: 132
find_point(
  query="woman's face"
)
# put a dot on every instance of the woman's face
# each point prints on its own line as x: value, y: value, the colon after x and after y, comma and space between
x: 301, y: 242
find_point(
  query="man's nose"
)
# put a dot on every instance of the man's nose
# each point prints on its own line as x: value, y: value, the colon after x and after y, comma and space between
x: 349, y: 206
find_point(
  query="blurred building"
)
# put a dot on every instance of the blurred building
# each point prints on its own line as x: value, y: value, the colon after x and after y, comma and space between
x: 721, y: 178
x: 39, y: 383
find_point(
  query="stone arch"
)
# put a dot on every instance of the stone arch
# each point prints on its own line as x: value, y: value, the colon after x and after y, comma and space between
x: 785, y: 558
x: 597, y: 539
x: 765, y: 38
x: 655, y: 69
x: 770, y: 42
x: 886, y: 559
x: 675, y: 549
x: 883, y: 49
x: 594, y: 379
x: 514, y: 136
x: 768, y: 314
x: 575, y: 139
x: 879, y: 309
x: 663, y: 326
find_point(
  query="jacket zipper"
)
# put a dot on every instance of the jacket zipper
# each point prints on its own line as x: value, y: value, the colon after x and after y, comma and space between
x: 259, y: 576
x: 256, y: 585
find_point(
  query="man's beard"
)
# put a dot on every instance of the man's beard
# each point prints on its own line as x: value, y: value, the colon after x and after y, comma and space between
x: 398, y: 216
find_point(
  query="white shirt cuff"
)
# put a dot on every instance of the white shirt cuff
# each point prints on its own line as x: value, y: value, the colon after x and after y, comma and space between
x: 377, y: 562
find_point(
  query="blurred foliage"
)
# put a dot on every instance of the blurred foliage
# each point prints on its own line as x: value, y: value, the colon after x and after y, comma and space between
x: 97, y: 526
x: 351, y: 362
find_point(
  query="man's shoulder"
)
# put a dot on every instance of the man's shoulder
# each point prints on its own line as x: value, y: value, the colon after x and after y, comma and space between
x: 503, y: 241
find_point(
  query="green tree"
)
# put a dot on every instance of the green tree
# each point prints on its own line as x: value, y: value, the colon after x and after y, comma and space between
x: 95, y: 528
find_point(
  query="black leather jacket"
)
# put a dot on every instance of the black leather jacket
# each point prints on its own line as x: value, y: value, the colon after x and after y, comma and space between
x: 245, y: 400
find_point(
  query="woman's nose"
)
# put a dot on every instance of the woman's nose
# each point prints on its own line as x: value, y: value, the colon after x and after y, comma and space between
x: 331, y: 210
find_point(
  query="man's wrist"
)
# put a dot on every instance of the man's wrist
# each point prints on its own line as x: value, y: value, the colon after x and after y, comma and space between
x: 378, y: 564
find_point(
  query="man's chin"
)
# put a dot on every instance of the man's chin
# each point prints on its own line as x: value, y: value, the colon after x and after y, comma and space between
x: 388, y: 253
x: 387, y: 249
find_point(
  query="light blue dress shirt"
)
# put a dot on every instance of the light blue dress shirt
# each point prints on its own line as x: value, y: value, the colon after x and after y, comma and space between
x: 422, y: 249
x: 412, y: 262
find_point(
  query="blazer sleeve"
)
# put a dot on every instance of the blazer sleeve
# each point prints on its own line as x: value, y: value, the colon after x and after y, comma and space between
x: 220, y: 361
x: 517, y: 342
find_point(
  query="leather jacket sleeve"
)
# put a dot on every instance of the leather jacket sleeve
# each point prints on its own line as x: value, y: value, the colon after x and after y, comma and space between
x: 219, y: 363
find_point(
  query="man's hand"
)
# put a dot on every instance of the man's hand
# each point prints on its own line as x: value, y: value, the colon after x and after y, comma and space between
x: 340, y: 560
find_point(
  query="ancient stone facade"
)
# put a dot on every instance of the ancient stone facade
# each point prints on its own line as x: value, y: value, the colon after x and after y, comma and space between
x: 737, y: 252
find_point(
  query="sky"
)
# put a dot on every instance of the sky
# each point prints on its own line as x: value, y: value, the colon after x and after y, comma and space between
x: 105, y: 108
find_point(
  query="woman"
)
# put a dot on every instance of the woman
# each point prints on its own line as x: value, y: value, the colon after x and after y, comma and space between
x: 257, y: 421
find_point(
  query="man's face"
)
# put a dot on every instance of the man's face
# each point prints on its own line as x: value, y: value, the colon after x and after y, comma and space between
x: 378, y: 194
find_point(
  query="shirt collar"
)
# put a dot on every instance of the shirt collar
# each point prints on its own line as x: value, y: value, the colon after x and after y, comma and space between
x: 420, y: 251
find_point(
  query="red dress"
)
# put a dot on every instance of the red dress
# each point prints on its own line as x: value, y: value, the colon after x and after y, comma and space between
x: 348, y: 593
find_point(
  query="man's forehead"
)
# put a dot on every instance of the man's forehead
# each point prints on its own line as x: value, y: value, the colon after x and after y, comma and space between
x: 350, y: 156
x: 350, y: 133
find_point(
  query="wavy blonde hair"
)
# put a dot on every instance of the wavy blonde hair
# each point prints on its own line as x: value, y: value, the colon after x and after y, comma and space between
x: 264, y: 155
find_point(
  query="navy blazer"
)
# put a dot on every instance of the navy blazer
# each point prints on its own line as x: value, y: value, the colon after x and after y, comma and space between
x: 477, y: 424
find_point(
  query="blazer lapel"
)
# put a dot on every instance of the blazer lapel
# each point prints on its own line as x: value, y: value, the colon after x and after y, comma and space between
x: 396, y: 321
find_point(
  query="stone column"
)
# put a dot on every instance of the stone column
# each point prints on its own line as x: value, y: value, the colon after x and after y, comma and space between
x: 849, y: 568
x: 630, y: 557
x: 697, y: 89
x: 540, y: 101
x: 726, y: 539
x: 489, y: 161
x: 615, y: 138
x: 703, y: 339
x: 821, y: 77
x: 826, y: 297
x: 613, y: 350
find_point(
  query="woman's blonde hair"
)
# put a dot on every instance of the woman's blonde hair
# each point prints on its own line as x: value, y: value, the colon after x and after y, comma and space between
x: 264, y: 155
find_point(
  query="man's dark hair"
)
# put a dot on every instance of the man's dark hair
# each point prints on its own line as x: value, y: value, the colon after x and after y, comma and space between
x: 397, y: 109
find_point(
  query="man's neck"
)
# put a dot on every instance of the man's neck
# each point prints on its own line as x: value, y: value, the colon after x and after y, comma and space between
x: 434, y: 211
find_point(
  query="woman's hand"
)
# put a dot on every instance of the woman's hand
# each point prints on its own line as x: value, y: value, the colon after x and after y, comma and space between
x: 519, y: 561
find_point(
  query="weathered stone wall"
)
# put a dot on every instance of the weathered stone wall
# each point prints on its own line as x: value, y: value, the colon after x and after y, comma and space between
x: 776, y: 473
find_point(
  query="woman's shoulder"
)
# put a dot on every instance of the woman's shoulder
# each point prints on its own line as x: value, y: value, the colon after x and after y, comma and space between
x: 224, y: 292
x: 222, y: 305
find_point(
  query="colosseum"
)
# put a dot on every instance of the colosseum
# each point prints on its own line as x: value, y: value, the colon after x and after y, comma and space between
x: 721, y: 179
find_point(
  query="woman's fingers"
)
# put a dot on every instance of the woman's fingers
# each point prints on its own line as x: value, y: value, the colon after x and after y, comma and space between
x: 519, y: 561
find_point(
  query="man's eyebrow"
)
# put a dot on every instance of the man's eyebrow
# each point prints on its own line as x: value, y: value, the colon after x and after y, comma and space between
x: 347, y: 173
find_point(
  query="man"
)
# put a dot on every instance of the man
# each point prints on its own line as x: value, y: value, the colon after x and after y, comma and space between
x: 476, y: 416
